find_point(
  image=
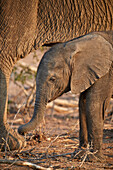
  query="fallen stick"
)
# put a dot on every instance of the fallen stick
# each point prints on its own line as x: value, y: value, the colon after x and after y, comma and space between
x: 15, y: 121
x: 60, y: 109
x: 60, y: 155
x: 29, y: 150
x: 64, y: 103
x: 49, y: 156
x: 51, y: 143
x: 22, y: 163
x: 30, y: 96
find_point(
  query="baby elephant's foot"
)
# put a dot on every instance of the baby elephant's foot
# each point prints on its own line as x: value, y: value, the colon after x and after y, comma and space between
x: 88, y: 155
x: 95, y: 157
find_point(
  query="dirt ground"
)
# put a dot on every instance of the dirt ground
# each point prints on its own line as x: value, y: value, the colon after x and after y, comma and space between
x: 53, y: 144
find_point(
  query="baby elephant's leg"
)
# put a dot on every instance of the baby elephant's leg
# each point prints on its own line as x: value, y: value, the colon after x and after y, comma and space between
x: 94, y: 122
x: 97, y: 100
x: 83, y: 134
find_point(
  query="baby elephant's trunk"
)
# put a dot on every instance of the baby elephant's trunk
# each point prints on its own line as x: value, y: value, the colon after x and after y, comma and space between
x: 37, y: 118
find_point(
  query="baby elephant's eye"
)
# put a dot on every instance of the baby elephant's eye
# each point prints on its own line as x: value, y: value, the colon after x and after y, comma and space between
x: 52, y: 79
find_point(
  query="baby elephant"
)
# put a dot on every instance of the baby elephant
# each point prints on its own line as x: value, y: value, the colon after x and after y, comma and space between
x: 83, y: 65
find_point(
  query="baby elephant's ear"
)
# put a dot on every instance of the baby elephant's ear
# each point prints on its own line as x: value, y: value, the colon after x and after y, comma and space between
x: 90, y: 61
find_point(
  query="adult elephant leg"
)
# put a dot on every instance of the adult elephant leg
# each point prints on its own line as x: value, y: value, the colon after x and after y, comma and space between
x: 8, y: 137
x: 83, y: 134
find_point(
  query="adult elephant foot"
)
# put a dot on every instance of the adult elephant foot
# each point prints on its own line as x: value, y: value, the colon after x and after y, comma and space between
x: 10, y: 139
x: 90, y: 156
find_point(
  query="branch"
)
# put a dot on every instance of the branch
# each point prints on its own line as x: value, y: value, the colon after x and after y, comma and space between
x: 23, y: 163
x: 21, y: 86
x: 66, y: 103
x: 30, y: 96
x: 63, y: 105
x: 60, y: 109
x: 24, y: 65
x: 51, y: 143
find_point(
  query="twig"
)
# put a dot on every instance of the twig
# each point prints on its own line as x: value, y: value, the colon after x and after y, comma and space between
x: 71, y: 153
x: 22, y: 87
x: 66, y: 103
x: 29, y: 150
x: 51, y: 143
x: 60, y: 109
x: 86, y: 154
x: 20, y: 158
x: 39, y: 159
x: 17, y: 113
x: 30, y: 95
x: 77, y: 153
x: 83, y: 160
x: 11, y: 164
x: 6, y: 146
x: 24, y: 65
x: 23, y: 163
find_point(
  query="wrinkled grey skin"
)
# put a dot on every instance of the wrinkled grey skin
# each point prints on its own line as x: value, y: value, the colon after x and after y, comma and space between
x: 83, y: 65
x: 27, y: 24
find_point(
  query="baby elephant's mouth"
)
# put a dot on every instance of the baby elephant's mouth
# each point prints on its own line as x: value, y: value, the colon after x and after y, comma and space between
x: 60, y: 94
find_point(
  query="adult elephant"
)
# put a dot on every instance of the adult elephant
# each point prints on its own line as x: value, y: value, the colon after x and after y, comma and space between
x: 83, y: 65
x: 26, y: 25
